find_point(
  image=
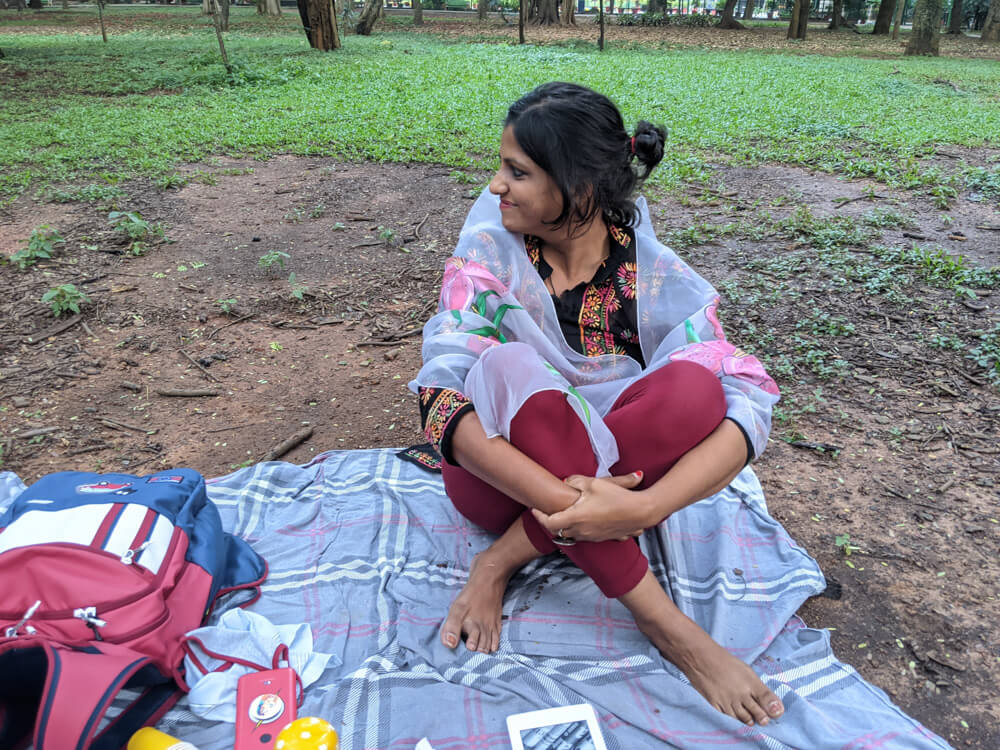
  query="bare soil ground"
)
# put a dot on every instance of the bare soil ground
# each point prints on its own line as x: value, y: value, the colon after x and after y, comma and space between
x: 910, y: 462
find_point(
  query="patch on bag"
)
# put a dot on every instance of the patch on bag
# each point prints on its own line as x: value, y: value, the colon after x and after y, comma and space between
x: 105, y: 488
x: 175, y: 478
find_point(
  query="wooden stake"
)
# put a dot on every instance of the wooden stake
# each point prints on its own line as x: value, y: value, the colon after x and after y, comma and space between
x: 100, y: 15
x: 216, y: 12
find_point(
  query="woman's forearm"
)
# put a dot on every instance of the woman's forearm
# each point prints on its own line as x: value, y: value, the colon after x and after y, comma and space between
x: 501, y: 465
x: 701, y: 472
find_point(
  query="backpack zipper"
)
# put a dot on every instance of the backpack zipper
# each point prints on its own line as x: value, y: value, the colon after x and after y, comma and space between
x: 89, y: 616
x: 11, y: 632
x: 129, y: 557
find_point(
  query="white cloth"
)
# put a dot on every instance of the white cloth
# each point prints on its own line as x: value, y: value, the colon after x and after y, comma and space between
x: 250, y: 637
x: 491, y: 295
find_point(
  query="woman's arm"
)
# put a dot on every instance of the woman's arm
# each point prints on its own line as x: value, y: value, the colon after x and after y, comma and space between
x: 501, y: 465
x: 605, y: 510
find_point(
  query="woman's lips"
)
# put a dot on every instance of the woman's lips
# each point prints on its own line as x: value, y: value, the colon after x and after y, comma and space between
x: 504, y: 205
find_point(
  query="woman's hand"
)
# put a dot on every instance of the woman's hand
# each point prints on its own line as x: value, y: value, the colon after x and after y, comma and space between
x: 607, y: 508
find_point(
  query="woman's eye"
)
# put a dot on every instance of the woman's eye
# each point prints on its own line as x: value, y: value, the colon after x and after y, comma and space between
x: 517, y: 173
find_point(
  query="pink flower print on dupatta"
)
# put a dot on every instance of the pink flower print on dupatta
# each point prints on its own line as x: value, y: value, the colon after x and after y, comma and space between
x: 722, y: 358
x: 463, y: 280
x: 712, y: 314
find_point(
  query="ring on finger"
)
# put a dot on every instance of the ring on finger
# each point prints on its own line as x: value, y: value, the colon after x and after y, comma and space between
x: 562, y: 540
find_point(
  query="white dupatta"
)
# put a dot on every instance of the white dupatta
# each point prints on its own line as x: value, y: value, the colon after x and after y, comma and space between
x: 491, y: 295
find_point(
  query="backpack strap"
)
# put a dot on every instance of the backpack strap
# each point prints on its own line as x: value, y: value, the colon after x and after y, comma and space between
x: 79, y: 687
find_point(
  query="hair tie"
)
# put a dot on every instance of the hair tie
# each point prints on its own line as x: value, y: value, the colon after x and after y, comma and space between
x: 632, y: 147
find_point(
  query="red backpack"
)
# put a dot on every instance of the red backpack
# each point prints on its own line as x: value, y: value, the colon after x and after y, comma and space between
x: 100, y: 578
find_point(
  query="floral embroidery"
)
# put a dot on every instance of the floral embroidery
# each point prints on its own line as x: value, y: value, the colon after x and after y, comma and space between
x: 445, y: 404
x: 625, y: 278
x: 599, y: 303
x: 619, y: 235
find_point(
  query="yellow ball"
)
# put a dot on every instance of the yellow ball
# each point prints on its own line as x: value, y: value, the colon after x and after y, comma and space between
x: 307, y: 733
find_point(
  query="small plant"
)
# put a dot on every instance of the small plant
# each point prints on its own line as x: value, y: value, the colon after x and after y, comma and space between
x: 844, y: 542
x: 317, y: 211
x: 338, y: 225
x: 172, y: 181
x: 64, y: 298
x: 41, y: 245
x: 273, y: 258
x: 987, y: 354
x: 295, y: 215
x: 276, y: 347
x: 386, y: 234
x: 226, y: 305
x: 298, y: 290
x: 138, y: 231
x: 463, y: 178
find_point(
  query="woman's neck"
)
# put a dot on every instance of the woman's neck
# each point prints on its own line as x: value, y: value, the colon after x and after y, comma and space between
x: 575, y: 259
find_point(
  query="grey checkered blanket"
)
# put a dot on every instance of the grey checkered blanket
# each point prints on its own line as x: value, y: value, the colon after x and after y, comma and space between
x: 367, y: 549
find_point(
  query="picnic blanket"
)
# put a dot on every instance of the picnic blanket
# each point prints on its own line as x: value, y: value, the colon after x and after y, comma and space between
x: 367, y: 549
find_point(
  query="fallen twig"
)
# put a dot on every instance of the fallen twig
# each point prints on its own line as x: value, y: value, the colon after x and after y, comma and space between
x: 821, y: 447
x: 392, y: 338
x: 234, y: 427
x: 419, y: 226
x: 198, y: 364
x: 37, y: 431
x: 186, y: 393
x: 56, y: 329
x: 87, y: 329
x: 88, y: 449
x: 130, y: 386
x: 231, y: 323
x: 844, y: 201
x: 286, y: 445
x: 108, y: 422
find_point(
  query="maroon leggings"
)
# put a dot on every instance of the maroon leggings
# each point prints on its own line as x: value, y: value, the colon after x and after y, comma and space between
x: 655, y: 421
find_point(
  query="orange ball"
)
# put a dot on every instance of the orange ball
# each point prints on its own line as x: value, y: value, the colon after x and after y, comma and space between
x: 307, y: 733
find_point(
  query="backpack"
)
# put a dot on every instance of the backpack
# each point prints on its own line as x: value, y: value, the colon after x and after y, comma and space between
x: 100, y: 578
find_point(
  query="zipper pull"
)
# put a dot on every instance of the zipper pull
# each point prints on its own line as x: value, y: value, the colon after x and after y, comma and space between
x: 89, y: 616
x: 12, y: 631
x: 129, y: 557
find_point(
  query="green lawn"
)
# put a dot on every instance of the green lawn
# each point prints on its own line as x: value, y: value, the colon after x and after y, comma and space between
x: 75, y: 108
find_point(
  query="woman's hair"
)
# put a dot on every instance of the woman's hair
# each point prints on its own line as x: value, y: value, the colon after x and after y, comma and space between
x: 578, y: 137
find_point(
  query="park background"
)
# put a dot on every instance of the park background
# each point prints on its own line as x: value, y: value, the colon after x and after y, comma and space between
x: 269, y: 229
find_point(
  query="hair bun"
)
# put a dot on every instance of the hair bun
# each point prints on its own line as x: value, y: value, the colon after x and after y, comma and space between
x: 647, y: 145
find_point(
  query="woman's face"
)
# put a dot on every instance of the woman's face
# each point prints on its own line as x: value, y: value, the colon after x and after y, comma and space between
x: 528, y: 195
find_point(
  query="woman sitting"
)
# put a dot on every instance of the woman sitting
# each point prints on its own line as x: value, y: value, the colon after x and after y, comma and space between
x: 578, y: 383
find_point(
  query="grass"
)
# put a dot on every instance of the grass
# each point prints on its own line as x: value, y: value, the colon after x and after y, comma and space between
x: 79, y: 110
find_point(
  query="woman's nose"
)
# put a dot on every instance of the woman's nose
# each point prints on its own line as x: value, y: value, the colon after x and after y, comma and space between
x: 497, y: 185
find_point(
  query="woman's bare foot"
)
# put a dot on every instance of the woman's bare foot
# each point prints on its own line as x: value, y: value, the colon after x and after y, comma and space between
x: 727, y: 683
x: 475, y: 613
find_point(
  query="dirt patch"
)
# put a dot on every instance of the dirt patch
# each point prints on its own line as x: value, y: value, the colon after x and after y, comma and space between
x: 909, y: 463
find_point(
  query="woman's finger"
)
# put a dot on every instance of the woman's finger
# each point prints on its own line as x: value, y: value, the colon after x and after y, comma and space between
x: 628, y: 481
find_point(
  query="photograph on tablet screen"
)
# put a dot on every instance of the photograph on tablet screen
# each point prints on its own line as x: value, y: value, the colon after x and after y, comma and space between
x: 573, y: 735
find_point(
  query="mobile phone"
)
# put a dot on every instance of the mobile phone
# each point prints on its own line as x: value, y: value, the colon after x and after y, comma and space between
x: 265, y: 703
x: 562, y: 728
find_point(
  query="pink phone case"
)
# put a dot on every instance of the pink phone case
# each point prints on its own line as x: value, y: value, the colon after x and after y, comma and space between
x: 265, y: 703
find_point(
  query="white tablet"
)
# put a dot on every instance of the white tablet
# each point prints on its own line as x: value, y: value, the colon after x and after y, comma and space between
x: 563, y: 728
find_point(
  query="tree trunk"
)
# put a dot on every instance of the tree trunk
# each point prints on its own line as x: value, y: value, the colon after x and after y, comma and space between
x: 548, y: 12
x: 520, y: 22
x: 796, y: 29
x: 883, y: 21
x: 271, y: 8
x: 206, y: 7
x: 369, y: 15
x: 955, y: 21
x: 804, y: 18
x: 35, y: 4
x: 568, y: 13
x: 897, y: 18
x: 223, y: 15
x: 322, y: 18
x: 482, y: 6
x: 418, y: 13
x: 748, y: 11
x: 925, y: 39
x: 727, y: 21
x: 838, y: 11
x: 991, y: 29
